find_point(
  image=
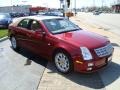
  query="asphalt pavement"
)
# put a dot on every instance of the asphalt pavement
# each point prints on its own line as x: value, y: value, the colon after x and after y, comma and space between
x: 107, y: 78
x: 107, y: 21
x: 25, y: 71
x: 19, y: 70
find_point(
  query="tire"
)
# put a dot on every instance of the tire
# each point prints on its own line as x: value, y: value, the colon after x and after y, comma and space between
x: 14, y: 43
x: 63, y: 62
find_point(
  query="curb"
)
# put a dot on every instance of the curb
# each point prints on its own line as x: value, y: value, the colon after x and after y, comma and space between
x: 4, y: 38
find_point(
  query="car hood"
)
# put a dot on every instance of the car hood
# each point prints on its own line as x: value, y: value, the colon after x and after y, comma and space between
x: 83, y: 38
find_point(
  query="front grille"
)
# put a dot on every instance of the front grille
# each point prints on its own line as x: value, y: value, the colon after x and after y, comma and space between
x: 104, y: 51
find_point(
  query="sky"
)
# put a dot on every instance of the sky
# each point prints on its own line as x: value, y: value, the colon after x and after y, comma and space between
x: 56, y: 3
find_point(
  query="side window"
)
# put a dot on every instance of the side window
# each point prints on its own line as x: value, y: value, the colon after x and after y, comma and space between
x: 35, y: 25
x: 24, y: 23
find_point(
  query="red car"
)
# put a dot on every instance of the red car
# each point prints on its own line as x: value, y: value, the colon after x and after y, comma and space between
x: 58, y: 39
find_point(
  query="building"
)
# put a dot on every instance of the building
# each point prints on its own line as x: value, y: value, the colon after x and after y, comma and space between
x: 17, y: 9
x: 37, y: 9
x: 116, y: 8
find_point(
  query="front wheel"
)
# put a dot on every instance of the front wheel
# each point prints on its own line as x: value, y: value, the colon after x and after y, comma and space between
x: 63, y: 62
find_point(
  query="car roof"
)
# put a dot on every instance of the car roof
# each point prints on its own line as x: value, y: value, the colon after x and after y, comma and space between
x: 40, y: 17
x: 36, y: 17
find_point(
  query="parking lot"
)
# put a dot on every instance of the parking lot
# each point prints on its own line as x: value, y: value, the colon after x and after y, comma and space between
x: 105, y: 79
x: 25, y: 71
x: 19, y: 70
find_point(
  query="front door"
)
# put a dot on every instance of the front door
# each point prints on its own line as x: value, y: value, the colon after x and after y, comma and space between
x: 37, y: 41
x: 40, y: 41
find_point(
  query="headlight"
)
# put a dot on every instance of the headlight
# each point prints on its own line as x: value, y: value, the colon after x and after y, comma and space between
x: 86, y: 53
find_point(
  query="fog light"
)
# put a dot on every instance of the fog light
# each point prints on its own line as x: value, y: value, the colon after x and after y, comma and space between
x: 88, y: 69
x: 90, y: 64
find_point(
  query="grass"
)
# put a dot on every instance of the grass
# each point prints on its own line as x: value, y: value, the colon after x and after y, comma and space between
x: 3, y: 32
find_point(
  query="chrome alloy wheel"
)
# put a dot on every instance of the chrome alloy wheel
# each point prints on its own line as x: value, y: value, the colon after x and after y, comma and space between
x: 13, y: 42
x: 62, y: 62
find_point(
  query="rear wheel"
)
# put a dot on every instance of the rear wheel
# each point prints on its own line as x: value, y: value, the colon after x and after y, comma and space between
x: 14, y: 43
x: 63, y: 62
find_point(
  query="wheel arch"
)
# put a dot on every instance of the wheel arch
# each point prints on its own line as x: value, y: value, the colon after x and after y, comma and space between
x: 60, y: 49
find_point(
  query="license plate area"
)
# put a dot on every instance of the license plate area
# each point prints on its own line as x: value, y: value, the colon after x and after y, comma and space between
x: 100, y: 62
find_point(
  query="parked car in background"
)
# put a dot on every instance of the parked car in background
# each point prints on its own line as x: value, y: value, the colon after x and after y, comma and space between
x: 61, y: 41
x: 16, y: 14
x: 13, y: 14
x: 20, y: 14
x: 97, y: 12
x: 33, y: 14
x: 57, y: 13
x: 51, y: 13
x: 5, y: 20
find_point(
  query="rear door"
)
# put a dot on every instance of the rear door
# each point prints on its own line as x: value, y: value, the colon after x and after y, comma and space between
x: 41, y: 42
x: 23, y: 32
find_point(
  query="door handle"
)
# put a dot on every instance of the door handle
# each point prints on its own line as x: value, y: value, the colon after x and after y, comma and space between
x: 29, y: 35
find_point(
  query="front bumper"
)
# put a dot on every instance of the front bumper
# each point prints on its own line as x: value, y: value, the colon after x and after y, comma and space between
x: 92, y: 65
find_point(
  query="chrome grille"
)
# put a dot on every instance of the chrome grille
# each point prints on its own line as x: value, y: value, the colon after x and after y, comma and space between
x: 104, y: 51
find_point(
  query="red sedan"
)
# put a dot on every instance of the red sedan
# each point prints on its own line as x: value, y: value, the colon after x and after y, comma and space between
x: 58, y: 39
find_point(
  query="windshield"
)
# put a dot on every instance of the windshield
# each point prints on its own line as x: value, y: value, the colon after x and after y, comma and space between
x: 60, y: 25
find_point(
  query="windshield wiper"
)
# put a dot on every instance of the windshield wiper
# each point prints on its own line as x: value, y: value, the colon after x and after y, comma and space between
x: 75, y: 29
x: 67, y: 31
x: 61, y: 32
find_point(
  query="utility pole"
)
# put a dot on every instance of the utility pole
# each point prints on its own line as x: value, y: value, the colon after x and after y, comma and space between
x: 102, y: 4
x: 118, y: 1
x: 11, y: 6
x: 75, y: 7
x: 65, y: 7
x: 61, y: 4
x: 94, y: 5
